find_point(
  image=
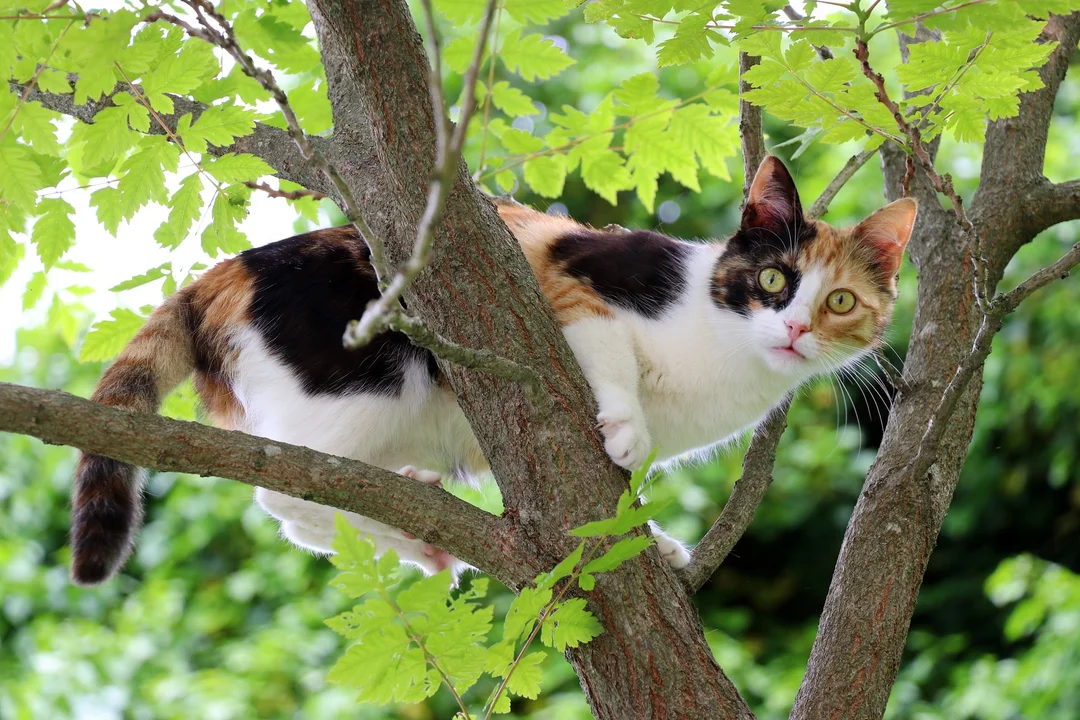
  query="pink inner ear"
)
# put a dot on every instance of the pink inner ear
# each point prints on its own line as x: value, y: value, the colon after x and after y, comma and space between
x: 773, y: 199
x: 887, y: 231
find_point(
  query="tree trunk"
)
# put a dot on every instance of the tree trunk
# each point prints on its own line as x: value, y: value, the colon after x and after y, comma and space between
x: 896, y: 521
x: 652, y: 660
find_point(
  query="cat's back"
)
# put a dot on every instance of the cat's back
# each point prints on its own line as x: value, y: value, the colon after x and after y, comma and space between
x: 587, y: 272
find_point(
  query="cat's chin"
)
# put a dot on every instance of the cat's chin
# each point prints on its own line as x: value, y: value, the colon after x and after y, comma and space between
x: 787, y: 361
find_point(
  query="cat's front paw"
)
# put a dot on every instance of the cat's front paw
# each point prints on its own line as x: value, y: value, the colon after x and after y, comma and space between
x: 626, y: 440
x: 674, y: 552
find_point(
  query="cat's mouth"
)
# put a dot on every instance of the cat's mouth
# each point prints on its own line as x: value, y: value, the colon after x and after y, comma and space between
x: 788, y: 351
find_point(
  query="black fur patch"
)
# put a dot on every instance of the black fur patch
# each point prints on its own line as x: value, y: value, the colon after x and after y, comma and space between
x: 307, y: 289
x: 640, y: 270
x: 735, y: 283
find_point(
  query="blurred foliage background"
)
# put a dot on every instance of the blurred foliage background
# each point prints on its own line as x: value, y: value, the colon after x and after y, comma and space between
x: 218, y: 618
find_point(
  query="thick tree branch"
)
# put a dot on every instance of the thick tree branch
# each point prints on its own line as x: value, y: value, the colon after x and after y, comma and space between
x: 267, y: 142
x: 1015, y: 148
x: 476, y: 292
x: 749, y: 491
x: 898, y: 517
x: 166, y: 445
x: 1053, y: 203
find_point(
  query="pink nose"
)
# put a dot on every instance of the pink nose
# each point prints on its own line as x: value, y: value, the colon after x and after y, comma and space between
x: 796, y: 330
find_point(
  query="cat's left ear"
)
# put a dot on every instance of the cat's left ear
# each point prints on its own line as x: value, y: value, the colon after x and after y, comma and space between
x: 887, y: 232
x: 773, y: 202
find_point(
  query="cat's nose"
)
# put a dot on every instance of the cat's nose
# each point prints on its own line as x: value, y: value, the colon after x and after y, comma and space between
x: 796, y: 330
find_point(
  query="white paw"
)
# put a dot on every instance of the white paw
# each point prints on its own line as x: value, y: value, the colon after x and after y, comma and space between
x: 428, y: 477
x: 674, y: 552
x: 626, y: 440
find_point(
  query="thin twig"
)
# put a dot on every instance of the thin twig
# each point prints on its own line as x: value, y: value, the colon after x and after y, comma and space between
x: 286, y: 194
x: 375, y: 319
x: 923, y: 16
x: 942, y: 183
x: 751, y: 134
x: 851, y: 167
x: 477, y: 359
x: 749, y: 490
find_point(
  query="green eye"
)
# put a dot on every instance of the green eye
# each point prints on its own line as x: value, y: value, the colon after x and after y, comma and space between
x: 841, y: 302
x: 772, y: 280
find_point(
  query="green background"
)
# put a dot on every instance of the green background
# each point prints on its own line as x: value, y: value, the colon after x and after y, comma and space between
x: 216, y: 617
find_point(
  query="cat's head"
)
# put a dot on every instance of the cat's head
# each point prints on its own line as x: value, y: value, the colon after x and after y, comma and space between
x: 813, y: 296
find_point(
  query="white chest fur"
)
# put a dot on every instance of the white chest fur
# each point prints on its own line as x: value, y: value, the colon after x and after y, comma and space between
x: 700, y: 380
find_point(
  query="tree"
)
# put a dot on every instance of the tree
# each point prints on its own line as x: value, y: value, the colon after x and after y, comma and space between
x: 511, y: 369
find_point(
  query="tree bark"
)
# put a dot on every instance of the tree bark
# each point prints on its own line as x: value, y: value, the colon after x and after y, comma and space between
x: 896, y: 521
x: 652, y: 660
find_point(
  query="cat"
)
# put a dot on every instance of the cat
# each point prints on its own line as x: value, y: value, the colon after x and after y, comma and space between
x: 684, y: 345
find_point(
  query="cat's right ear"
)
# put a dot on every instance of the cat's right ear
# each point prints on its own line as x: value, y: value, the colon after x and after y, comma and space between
x: 773, y: 202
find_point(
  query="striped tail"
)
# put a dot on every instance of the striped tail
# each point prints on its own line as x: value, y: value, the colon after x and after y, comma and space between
x: 107, y: 497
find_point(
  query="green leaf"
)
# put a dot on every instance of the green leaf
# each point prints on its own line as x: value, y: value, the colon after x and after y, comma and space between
x: 20, y: 176
x: 533, y: 57
x: 692, y: 41
x: 546, y: 174
x: 54, y: 231
x: 355, y: 557
x: 108, y: 337
x: 524, y: 611
x: 520, y: 142
x: 618, y: 553
x: 512, y: 101
x: 605, y: 174
x: 563, y: 569
x: 537, y: 12
x: 144, y: 175
x: 458, y: 53
x: 179, y: 73
x: 35, y: 288
x: 218, y: 125
x: 570, y: 625
x: 106, y: 140
x: 185, y: 207
x: 11, y: 253
x: 238, y: 168
x: 109, y: 212
x: 221, y: 234
x: 527, y: 674
x: 149, y: 276
x: 631, y: 518
x: 586, y: 581
x: 461, y: 12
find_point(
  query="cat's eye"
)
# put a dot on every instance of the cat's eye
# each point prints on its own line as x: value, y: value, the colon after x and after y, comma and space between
x: 772, y: 280
x: 841, y: 302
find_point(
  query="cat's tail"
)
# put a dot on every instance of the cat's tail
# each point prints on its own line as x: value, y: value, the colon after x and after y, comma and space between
x: 107, y: 497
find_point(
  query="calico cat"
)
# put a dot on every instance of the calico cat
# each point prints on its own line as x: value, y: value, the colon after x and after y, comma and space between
x: 683, y: 344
